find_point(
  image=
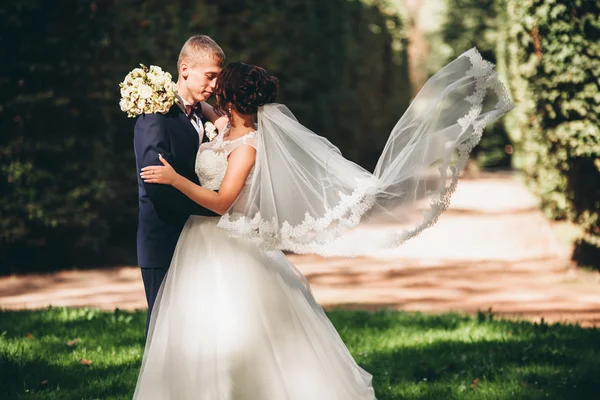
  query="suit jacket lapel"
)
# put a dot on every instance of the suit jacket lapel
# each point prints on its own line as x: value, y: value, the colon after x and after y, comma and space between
x: 179, y: 103
x: 185, y: 122
x: 191, y: 131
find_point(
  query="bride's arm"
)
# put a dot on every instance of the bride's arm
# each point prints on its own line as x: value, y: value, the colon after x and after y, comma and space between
x: 240, y: 163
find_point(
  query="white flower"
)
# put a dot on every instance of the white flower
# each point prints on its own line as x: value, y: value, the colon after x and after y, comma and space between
x: 146, y: 91
x: 138, y: 72
x: 125, y: 92
x: 160, y: 81
x: 124, y: 104
x: 151, y: 78
x: 210, y: 131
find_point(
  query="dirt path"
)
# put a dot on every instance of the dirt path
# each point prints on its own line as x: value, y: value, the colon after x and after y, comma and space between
x: 491, y: 249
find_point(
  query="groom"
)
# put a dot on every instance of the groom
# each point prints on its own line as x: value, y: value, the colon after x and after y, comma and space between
x: 176, y: 135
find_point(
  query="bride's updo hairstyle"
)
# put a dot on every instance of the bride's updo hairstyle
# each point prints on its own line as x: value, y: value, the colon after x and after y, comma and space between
x: 246, y: 87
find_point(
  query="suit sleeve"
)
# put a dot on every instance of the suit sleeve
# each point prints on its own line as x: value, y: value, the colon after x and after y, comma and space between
x: 150, y: 139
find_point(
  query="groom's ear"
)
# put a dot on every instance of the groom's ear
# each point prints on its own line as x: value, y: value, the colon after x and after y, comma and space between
x: 183, y: 70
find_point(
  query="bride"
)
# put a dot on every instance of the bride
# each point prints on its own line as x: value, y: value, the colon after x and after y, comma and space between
x: 234, y: 319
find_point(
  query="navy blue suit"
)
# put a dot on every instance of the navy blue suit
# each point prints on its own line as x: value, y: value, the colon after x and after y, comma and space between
x: 163, y: 209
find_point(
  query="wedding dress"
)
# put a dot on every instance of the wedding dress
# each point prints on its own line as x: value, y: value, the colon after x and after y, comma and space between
x: 235, y: 322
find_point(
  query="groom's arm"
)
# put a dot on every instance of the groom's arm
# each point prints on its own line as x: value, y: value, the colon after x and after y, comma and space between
x: 150, y: 139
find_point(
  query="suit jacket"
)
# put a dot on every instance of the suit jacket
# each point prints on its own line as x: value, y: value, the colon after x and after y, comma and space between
x: 163, y: 209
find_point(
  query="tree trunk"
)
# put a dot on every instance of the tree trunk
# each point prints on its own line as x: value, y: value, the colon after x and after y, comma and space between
x: 418, y: 48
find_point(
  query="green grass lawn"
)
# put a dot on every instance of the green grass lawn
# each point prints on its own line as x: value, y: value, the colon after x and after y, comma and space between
x: 412, y: 356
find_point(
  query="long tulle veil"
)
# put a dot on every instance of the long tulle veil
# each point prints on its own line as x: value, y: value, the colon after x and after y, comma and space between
x: 305, y: 197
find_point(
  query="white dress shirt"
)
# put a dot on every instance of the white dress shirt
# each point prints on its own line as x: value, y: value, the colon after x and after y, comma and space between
x: 194, y: 119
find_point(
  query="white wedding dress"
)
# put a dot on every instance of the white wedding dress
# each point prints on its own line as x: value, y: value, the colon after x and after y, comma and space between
x: 234, y: 322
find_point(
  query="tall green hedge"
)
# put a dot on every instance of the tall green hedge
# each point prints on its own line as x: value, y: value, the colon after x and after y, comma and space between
x: 548, y: 53
x: 553, y: 57
x: 64, y: 172
x: 67, y: 172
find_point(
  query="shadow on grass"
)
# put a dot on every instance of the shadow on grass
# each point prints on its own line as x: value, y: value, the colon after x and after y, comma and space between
x: 410, y: 355
x: 38, y: 362
x: 41, y: 379
x: 451, y: 356
x: 535, y: 369
x: 390, y: 319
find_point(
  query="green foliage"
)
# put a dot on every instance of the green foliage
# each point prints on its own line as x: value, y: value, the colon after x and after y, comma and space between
x: 478, y: 23
x: 471, y: 23
x: 411, y: 356
x: 336, y: 62
x: 547, y: 51
x: 59, y: 174
x: 553, y: 56
x: 67, y: 175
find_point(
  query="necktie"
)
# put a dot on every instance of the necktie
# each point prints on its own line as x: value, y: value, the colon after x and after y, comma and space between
x: 195, y: 110
x: 195, y: 119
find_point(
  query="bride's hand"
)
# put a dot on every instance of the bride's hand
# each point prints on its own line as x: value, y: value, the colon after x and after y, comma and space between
x: 165, y: 174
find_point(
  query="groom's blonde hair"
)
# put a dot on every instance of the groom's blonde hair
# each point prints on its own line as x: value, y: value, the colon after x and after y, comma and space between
x: 198, y: 48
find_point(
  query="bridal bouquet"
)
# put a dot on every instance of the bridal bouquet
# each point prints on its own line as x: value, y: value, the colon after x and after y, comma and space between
x: 147, y: 91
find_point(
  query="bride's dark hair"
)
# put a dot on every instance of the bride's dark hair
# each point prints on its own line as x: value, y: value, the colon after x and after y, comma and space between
x: 246, y: 87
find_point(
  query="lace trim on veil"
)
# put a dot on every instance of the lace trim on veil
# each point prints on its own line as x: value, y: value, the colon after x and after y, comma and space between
x: 312, y: 233
x: 318, y: 235
x: 485, y: 79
